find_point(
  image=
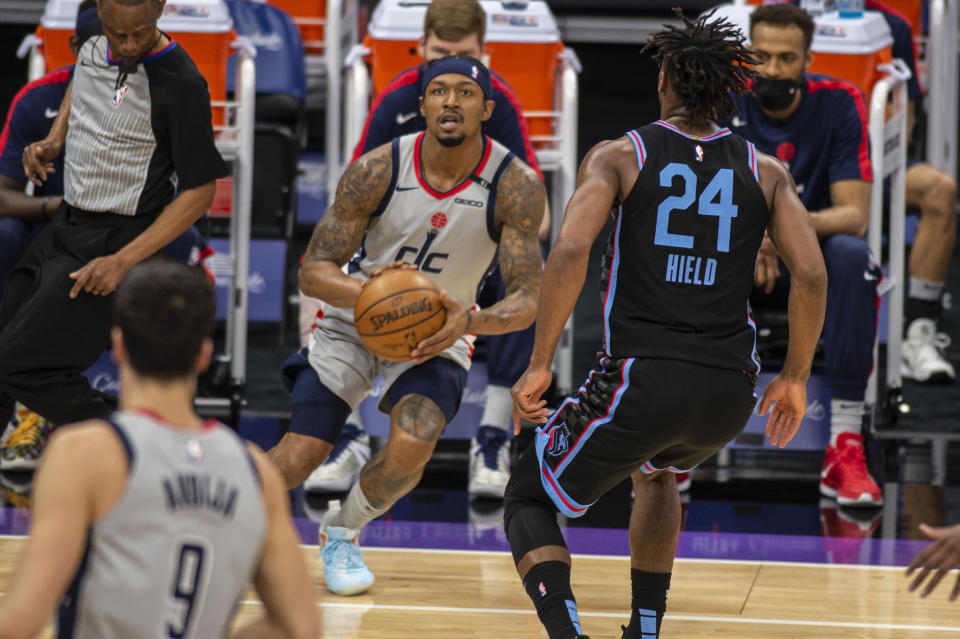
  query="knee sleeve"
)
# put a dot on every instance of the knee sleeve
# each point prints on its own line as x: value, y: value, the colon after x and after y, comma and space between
x: 529, y: 516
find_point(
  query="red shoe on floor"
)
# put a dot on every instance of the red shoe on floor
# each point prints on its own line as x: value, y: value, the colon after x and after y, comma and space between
x: 683, y: 481
x: 845, y: 475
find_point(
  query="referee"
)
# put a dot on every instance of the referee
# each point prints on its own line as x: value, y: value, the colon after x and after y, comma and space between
x: 140, y: 167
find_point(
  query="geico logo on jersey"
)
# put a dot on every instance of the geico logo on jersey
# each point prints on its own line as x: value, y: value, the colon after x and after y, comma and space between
x: 464, y: 202
x: 425, y: 260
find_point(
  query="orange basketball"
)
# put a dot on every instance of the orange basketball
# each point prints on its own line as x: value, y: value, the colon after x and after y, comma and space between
x: 395, y: 311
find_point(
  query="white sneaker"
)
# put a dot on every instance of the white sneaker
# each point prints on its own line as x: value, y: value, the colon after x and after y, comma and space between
x: 922, y: 356
x: 342, y: 468
x: 489, y: 463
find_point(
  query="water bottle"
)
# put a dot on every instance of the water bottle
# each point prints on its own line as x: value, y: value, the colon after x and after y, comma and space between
x: 850, y: 8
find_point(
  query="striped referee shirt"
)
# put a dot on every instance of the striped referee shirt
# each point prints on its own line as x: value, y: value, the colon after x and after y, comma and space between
x: 133, y: 143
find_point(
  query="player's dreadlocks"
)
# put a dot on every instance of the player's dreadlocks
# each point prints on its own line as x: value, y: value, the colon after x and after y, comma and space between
x: 703, y: 61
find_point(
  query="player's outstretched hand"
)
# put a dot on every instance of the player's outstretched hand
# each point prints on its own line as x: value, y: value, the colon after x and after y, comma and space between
x: 38, y: 160
x: 789, y: 399
x: 937, y: 559
x: 403, y: 266
x: 526, y: 397
x: 100, y: 276
x: 453, y: 328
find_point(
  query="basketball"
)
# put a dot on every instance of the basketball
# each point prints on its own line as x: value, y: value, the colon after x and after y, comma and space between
x: 395, y: 311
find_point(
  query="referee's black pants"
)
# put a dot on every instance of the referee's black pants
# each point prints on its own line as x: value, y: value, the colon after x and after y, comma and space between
x: 47, y: 339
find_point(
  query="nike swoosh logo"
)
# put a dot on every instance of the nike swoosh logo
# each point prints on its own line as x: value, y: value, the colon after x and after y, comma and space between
x: 867, y: 275
x: 407, y: 188
x: 50, y: 113
x: 403, y: 118
x: 737, y: 121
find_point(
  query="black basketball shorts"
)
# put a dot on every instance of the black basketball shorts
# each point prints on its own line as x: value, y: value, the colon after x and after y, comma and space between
x: 630, y: 414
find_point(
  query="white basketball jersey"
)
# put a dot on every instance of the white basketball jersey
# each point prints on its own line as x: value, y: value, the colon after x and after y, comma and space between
x: 451, y: 236
x: 176, y: 552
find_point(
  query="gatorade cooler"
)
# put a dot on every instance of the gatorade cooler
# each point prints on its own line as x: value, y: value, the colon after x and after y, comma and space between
x: 310, y: 16
x: 202, y: 27
x: 852, y: 48
x: 911, y: 11
x: 522, y: 42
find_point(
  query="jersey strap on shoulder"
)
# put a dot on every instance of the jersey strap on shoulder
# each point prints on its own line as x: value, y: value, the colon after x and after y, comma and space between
x: 122, y: 436
x: 638, y: 145
x: 394, y: 171
x: 752, y: 160
x: 492, y: 229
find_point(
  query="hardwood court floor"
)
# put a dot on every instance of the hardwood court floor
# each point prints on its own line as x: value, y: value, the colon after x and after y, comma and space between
x: 429, y: 593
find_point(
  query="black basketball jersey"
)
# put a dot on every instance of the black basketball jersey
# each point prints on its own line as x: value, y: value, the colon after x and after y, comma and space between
x: 678, y: 267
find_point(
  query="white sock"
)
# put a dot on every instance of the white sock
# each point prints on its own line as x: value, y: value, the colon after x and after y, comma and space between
x: 845, y: 417
x: 354, y: 419
x: 925, y: 290
x: 498, y: 409
x: 355, y: 512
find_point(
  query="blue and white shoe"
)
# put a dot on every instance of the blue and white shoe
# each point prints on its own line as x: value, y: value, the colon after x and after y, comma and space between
x: 343, y: 567
x: 489, y: 463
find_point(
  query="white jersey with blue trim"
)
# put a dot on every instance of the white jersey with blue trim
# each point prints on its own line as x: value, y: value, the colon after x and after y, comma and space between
x: 450, y: 236
x: 177, y: 550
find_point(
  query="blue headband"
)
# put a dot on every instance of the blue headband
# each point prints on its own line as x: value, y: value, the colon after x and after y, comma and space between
x: 463, y: 65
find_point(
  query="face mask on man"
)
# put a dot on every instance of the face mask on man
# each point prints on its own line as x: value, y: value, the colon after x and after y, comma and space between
x: 775, y: 94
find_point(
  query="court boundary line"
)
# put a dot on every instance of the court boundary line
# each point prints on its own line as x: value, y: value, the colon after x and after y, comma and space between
x: 623, y: 615
x: 682, y: 560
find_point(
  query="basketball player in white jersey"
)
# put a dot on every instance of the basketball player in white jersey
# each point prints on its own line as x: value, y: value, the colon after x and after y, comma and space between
x: 448, y: 201
x: 152, y: 523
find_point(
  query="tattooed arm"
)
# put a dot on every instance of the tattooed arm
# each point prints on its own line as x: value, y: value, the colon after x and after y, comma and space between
x: 520, y: 206
x: 339, y: 232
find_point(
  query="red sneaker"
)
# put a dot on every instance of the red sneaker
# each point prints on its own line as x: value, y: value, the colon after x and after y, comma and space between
x: 845, y: 475
x: 683, y: 481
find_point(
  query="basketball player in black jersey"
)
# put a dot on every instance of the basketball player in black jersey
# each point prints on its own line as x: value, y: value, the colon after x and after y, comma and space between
x: 691, y: 202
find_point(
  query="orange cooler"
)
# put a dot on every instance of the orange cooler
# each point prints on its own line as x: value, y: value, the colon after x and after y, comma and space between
x: 522, y: 42
x: 202, y: 27
x: 852, y: 48
x: 310, y: 17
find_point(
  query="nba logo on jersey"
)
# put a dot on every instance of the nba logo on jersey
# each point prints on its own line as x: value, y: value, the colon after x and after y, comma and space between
x: 699, y: 150
x: 194, y: 451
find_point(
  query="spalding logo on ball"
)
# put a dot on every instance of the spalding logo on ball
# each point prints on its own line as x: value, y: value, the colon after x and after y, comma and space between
x: 396, y: 311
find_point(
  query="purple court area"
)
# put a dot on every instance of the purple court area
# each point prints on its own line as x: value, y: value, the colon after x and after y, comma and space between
x: 602, y: 541
x: 605, y: 541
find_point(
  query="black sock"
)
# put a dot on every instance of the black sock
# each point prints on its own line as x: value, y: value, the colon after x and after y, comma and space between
x: 917, y: 308
x: 548, y: 585
x: 648, y: 604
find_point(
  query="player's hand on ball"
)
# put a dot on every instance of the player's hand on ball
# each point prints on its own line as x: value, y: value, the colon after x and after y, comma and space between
x: 937, y: 559
x: 789, y: 400
x: 453, y: 329
x: 401, y: 266
x: 100, y: 276
x: 526, y: 393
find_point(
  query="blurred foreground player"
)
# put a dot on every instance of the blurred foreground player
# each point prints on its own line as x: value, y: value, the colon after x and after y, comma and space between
x: 152, y: 522
x: 676, y: 382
